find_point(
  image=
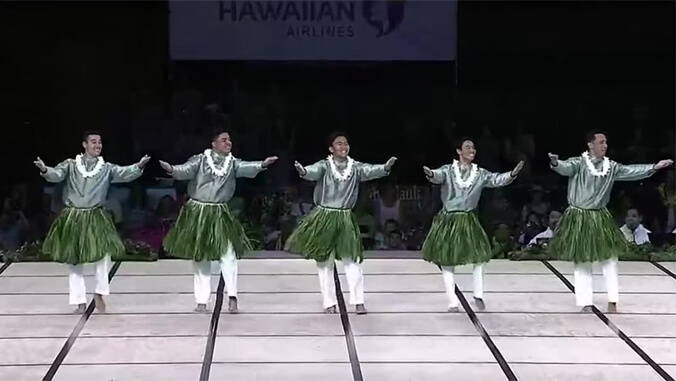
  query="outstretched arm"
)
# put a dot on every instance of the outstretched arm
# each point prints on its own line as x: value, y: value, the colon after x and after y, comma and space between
x: 436, y: 176
x: 312, y: 172
x: 564, y: 167
x: 639, y: 171
x: 185, y: 171
x: 369, y: 172
x: 125, y: 174
x: 128, y: 173
x: 56, y: 174
x: 497, y: 180
x: 251, y: 169
x: 633, y: 172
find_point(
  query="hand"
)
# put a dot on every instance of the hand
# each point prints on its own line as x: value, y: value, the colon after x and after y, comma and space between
x: 428, y: 172
x: 299, y: 168
x: 663, y: 164
x: 390, y: 163
x: 144, y: 160
x: 517, y: 169
x: 166, y: 166
x: 268, y: 161
x: 41, y: 166
x: 554, y: 159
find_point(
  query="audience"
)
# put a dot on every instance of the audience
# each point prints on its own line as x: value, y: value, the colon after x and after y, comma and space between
x: 633, y: 229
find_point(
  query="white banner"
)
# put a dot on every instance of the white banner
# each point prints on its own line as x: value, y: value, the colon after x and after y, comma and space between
x: 334, y: 30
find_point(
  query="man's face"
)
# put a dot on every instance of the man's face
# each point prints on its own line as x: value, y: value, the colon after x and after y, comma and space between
x: 554, y: 218
x: 394, y: 239
x: 222, y: 144
x: 633, y: 219
x: 599, y: 146
x: 390, y: 227
x: 340, y: 147
x: 467, y: 151
x: 92, y: 145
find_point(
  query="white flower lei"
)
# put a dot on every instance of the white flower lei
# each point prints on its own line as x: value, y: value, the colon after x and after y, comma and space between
x: 605, y: 169
x: 220, y: 172
x: 79, y: 164
x: 464, y: 184
x: 334, y: 169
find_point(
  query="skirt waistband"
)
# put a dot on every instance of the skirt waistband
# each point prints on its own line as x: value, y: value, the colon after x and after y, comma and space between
x: 206, y: 203
x: 83, y: 209
x: 333, y: 209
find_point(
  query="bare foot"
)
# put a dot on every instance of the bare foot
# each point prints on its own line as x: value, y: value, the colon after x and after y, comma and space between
x: 201, y: 308
x: 480, y: 305
x: 99, y: 303
x: 81, y: 308
x: 587, y: 309
x: 612, y: 307
x: 330, y: 310
x: 361, y: 310
x: 453, y: 309
x: 232, y: 305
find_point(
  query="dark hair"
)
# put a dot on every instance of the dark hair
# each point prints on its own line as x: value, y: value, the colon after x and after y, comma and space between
x: 459, y: 142
x: 634, y: 208
x: 213, y: 134
x: 391, y: 221
x: 590, y: 136
x: 335, y: 135
x: 87, y: 134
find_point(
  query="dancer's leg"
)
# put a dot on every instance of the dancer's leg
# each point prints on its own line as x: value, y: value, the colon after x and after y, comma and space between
x: 478, y: 276
x: 327, y: 284
x: 612, y: 283
x: 448, y: 273
x: 355, y: 281
x: 77, y: 290
x: 584, y: 290
x: 229, y: 271
x: 202, y: 284
x: 102, y: 283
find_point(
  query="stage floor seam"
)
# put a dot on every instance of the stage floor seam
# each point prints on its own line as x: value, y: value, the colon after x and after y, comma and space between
x: 281, y: 333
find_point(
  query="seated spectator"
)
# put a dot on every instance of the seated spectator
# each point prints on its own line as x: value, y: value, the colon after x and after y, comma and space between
x: 633, y: 229
x: 536, y: 205
x: 395, y: 240
x: 381, y: 238
x: 531, y: 229
x: 554, y: 218
x: 502, y: 241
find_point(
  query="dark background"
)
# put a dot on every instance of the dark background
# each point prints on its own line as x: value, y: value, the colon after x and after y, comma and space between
x: 563, y: 67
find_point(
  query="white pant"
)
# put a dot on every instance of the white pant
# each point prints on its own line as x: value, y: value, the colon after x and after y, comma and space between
x: 355, y: 281
x: 584, y: 289
x: 77, y: 290
x: 448, y: 273
x: 202, y: 278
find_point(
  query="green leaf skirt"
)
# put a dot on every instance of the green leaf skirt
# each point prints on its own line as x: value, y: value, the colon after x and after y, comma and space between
x: 326, y: 231
x: 455, y: 239
x: 588, y: 236
x: 202, y: 233
x: 82, y: 235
